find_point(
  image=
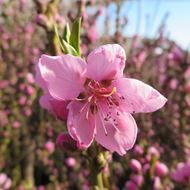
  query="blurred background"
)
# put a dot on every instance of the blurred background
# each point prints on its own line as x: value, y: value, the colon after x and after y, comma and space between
x: 155, y: 35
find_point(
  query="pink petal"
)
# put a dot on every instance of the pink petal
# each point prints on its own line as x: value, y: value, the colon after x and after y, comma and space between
x: 38, y: 78
x: 106, y: 62
x: 120, y: 137
x: 138, y: 96
x: 80, y: 128
x: 56, y: 107
x: 64, y: 75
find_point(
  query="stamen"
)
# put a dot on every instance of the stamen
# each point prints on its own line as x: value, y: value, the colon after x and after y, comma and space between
x: 111, y: 93
x: 83, y: 107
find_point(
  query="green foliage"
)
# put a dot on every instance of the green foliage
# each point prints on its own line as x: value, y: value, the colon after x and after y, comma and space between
x: 70, y: 43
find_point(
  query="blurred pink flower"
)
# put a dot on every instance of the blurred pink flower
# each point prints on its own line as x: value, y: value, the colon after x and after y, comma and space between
x: 153, y: 151
x: 3, y: 178
x: 50, y: 147
x: 27, y: 111
x: 137, y: 179
x: 138, y: 150
x: 65, y: 142
x: 182, y: 173
x: 22, y: 100
x: 70, y: 162
x: 93, y: 34
x: 146, y: 168
x: 30, y: 90
x: 161, y: 169
x: 130, y: 185
x: 3, y: 118
x: 7, y: 184
x: 135, y: 165
x: 16, y: 124
x: 101, y: 100
x: 173, y: 84
x: 30, y: 78
x: 157, y: 184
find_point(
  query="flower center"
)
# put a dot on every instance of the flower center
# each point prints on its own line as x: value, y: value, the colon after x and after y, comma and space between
x: 96, y: 92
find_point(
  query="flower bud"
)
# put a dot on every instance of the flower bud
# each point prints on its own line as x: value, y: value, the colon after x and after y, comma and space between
x: 135, y: 165
x: 161, y: 169
x: 65, y: 142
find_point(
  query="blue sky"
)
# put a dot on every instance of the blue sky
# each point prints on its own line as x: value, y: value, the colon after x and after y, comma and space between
x: 177, y: 22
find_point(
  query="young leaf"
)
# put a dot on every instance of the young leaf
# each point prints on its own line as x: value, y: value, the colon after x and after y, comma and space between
x: 66, y: 33
x: 75, y: 35
x: 69, y: 49
x: 58, y: 38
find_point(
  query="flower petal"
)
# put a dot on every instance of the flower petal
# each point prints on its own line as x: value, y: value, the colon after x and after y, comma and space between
x: 64, y: 75
x: 80, y: 128
x: 121, y: 132
x: 56, y: 107
x: 38, y: 78
x: 106, y: 62
x: 138, y: 96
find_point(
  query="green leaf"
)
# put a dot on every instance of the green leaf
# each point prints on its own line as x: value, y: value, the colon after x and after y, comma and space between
x: 69, y: 49
x: 75, y: 35
x: 66, y: 33
x: 58, y: 38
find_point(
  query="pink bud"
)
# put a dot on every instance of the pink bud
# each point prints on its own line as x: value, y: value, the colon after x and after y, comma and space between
x: 146, y: 167
x: 161, y: 169
x: 3, y: 178
x: 137, y: 179
x: 157, y: 184
x: 41, y: 187
x: 153, y: 151
x: 30, y: 90
x: 130, y: 185
x: 16, y: 124
x: 22, y: 100
x: 65, y: 142
x: 30, y: 78
x: 173, y: 84
x: 138, y: 150
x: 50, y: 147
x: 135, y: 165
x: 7, y: 184
x: 70, y: 162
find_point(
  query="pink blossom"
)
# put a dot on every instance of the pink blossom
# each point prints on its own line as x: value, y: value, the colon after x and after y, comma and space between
x: 161, y: 169
x: 50, y: 147
x: 130, y: 185
x: 153, y: 151
x: 93, y: 34
x: 27, y: 111
x: 7, y: 184
x: 30, y: 90
x: 138, y: 150
x: 22, y: 100
x: 182, y: 173
x: 3, y: 178
x: 146, y: 168
x: 71, y: 162
x: 157, y: 184
x: 30, y: 78
x: 100, y: 99
x: 137, y: 179
x: 16, y: 124
x: 55, y: 106
x: 173, y: 84
x: 65, y: 142
x: 135, y: 165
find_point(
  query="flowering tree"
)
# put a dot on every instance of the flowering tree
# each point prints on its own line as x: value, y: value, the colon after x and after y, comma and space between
x: 79, y: 143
